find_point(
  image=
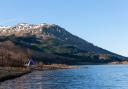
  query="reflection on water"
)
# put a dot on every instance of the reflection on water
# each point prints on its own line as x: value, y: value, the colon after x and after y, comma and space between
x: 87, y: 77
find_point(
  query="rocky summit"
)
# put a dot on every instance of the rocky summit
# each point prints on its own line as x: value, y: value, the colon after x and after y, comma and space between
x: 24, y: 29
x: 43, y: 31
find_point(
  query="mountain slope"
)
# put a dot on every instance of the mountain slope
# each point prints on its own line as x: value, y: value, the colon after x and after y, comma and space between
x: 52, y: 39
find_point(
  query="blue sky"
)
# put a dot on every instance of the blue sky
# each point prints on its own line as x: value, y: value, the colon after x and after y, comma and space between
x: 101, y: 22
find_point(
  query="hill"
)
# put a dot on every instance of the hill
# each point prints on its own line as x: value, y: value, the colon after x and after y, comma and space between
x: 49, y: 43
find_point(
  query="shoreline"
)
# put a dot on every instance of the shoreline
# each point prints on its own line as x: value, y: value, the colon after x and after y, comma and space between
x: 8, y: 73
x: 9, y: 77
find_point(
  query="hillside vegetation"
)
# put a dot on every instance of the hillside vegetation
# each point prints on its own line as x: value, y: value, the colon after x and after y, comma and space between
x: 49, y: 44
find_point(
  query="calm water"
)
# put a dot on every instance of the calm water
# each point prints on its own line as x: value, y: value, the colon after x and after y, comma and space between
x: 86, y: 77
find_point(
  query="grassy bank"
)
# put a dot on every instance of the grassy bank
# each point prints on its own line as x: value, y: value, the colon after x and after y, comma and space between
x: 7, y: 73
x: 54, y: 66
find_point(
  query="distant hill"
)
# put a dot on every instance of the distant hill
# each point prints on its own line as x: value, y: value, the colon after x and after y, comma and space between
x: 52, y: 44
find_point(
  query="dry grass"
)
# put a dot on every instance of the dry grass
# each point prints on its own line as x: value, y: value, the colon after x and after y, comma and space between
x: 56, y: 66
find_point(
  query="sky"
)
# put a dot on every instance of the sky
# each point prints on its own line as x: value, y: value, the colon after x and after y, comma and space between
x: 101, y: 22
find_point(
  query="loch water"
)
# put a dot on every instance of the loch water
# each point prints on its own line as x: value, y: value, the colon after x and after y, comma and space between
x: 85, y: 77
